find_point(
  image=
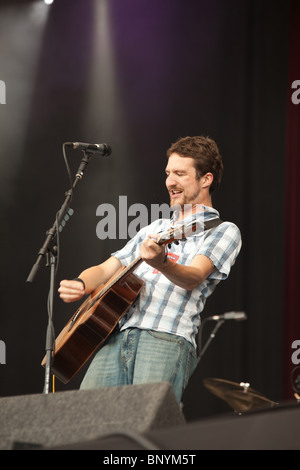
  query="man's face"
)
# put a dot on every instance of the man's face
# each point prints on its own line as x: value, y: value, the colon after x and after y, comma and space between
x: 181, y: 181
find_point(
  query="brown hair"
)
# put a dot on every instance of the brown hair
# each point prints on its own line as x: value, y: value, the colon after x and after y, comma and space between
x: 206, y: 154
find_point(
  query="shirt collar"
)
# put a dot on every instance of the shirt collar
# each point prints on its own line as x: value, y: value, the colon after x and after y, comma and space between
x: 204, y: 213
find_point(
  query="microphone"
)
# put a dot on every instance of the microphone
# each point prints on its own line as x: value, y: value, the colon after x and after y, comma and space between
x: 230, y: 316
x: 102, y: 149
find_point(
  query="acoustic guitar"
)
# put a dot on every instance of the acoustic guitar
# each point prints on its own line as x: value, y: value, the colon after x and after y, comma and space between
x: 98, y: 316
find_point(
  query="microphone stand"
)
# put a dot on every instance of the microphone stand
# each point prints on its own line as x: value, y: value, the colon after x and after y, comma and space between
x: 210, y: 338
x: 49, y: 252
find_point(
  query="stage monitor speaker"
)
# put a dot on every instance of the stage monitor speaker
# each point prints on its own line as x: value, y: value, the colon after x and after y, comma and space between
x: 272, y: 428
x: 47, y: 420
x: 269, y: 429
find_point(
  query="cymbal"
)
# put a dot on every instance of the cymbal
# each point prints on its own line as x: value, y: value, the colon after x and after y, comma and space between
x: 239, y: 396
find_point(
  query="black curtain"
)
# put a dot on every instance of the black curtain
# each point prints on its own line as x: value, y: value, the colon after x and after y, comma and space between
x: 291, y: 321
x: 138, y: 75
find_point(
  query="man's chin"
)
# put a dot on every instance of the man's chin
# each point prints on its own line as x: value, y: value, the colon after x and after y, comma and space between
x: 176, y: 206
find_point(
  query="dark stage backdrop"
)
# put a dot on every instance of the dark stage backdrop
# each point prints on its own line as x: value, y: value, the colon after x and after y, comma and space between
x: 291, y: 320
x: 138, y: 74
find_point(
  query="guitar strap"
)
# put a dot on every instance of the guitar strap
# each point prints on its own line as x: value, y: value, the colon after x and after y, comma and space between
x: 212, y: 223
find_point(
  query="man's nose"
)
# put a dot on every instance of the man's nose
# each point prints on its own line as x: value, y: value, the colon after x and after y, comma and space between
x: 170, y: 181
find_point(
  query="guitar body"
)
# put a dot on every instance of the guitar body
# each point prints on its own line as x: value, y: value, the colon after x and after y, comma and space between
x: 91, y: 325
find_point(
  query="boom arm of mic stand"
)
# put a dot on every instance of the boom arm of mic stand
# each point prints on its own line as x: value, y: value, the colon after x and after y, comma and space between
x: 51, y: 233
x: 61, y: 214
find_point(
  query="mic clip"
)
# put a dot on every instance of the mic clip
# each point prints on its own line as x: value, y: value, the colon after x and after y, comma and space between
x: 85, y: 160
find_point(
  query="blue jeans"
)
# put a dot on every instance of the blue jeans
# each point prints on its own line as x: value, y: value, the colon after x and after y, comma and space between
x: 136, y: 356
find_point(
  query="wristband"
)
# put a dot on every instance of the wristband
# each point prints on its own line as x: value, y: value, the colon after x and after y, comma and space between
x: 79, y: 280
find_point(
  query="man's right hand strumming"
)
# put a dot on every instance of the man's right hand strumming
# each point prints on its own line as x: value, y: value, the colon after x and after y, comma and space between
x: 70, y: 291
x: 88, y: 280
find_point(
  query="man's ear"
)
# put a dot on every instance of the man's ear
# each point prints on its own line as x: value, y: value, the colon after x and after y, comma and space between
x: 207, y: 180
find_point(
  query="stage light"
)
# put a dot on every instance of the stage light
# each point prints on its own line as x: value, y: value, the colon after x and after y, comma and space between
x: 48, y: 2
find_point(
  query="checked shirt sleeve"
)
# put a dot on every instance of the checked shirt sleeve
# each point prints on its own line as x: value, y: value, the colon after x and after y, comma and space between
x: 222, y: 246
x: 131, y: 250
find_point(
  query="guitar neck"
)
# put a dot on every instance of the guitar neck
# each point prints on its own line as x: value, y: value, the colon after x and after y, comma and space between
x: 132, y: 266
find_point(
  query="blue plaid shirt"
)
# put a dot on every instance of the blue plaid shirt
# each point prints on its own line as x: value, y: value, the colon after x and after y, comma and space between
x: 164, y: 306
